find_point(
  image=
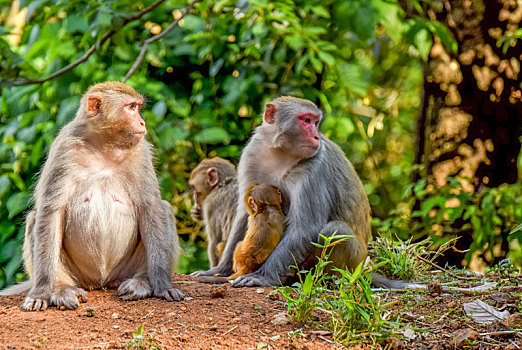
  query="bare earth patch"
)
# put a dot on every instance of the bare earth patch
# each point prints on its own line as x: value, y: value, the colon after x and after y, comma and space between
x: 229, y: 318
x: 239, y: 320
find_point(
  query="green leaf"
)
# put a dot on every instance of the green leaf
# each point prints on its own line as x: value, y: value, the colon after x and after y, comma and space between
x: 320, y: 11
x: 423, y: 43
x: 326, y: 58
x: 17, y: 203
x: 213, y: 135
x: 515, y: 230
x: 159, y: 110
x: 4, y: 185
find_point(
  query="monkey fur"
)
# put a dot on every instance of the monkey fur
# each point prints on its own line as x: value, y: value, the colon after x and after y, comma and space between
x: 98, y: 218
x: 265, y: 230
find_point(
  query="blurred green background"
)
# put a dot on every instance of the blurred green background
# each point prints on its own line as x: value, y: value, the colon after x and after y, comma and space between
x: 422, y: 96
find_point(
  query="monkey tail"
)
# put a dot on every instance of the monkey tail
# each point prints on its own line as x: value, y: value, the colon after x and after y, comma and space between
x: 213, y: 279
x: 18, y: 288
x: 380, y: 281
x: 219, y: 279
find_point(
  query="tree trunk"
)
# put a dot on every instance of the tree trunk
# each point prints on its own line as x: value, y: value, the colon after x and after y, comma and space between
x: 471, y: 119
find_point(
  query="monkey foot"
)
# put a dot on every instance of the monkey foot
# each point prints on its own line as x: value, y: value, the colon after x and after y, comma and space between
x: 252, y: 280
x: 172, y: 294
x: 134, y: 288
x: 34, y: 304
x: 68, y: 298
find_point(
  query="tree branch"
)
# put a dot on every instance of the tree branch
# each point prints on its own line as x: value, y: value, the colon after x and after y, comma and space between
x: 93, y: 49
x: 156, y: 37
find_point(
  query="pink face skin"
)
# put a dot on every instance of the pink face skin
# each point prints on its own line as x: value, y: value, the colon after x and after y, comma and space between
x: 131, y: 108
x: 309, y: 124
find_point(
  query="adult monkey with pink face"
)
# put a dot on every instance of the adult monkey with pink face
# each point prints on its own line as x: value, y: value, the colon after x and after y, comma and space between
x: 322, y: 194
x: 98, y: 218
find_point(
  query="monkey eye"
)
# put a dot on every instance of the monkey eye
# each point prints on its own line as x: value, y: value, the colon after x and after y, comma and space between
x: 317, y: 123
x: 307, y: 120
x: 133, y: 106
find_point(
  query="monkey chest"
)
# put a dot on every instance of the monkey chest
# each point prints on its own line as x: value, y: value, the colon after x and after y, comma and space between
x: 101, y: 227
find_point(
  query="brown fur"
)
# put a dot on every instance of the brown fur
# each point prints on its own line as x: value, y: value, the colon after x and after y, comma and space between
x: 265, y: 230
x: 98, y: 218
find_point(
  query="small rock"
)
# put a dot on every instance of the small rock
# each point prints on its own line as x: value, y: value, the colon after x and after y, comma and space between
x: 513, y: 321
x: 218, y: 291
x: 434, y: 287
x: 452, y: 304
x: 213, y: 328
x: 89, y: 312
x: 163, y: 329
x: 115, y: 315
x: 115, y: 326
x: 464, y: 336
x: 281, y: 319
x: 260, y: 291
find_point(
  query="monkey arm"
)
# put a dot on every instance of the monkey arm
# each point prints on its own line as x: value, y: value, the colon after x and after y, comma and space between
x: 46, y: 237
x: 158, y: 231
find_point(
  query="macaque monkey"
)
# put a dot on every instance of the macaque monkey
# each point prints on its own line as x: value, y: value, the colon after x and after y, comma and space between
x: 214, y: 185
x: 265, y: 230
x: 321, y: 191
x: 98, y: 218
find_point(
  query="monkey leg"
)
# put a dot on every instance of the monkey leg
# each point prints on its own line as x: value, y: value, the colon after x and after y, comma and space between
x: 58, y: 288
x: 347, y: 254
x: 154, y: 257
x: 295, y: 247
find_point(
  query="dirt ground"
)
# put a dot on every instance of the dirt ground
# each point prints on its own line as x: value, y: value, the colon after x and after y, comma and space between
x: 242, y: 319
x: 247, y: 319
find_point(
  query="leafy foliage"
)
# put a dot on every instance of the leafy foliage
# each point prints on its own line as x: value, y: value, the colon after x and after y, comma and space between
x: 353, y: 313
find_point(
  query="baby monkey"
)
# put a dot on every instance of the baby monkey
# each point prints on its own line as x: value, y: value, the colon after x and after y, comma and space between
x: 265, y: 230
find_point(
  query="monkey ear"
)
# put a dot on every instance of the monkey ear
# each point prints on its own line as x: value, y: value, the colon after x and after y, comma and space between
x: 93, y: 105
x: 252, y: 204
x: 270, y: 110
x: 212, y: 177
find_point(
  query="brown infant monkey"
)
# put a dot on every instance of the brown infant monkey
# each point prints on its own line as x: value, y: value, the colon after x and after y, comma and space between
x: 214, y: 184
x: 98, y: 218
x: 265, y: 230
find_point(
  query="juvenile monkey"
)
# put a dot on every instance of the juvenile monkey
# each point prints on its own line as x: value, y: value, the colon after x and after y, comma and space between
x: 98, y: 218
x: 265, y: 230
x: 325, y: 194
x: 214, y: 184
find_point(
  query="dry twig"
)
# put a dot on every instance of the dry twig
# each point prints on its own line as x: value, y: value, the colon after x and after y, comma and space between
x: 89, y: 52
x: 156, y: 37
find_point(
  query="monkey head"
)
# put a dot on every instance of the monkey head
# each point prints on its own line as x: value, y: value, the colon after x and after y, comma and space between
x: 205, y: 177
x: 295, y: 126
x: 259, y: 196
x: 112, y: 112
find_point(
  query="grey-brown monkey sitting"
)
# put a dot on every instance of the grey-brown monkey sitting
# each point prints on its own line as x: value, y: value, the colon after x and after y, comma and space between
x: 321, y: 191
x: 98, y: 218
x: 214, y: 185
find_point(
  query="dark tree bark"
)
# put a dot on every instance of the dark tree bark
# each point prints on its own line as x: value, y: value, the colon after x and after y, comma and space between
x: 471, y: 119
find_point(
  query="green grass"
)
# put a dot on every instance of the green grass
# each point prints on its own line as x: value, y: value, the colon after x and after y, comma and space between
x: 342, y: 303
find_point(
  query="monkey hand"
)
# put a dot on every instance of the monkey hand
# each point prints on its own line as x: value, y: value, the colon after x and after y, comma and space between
x: 171, y: 294
x: 254, y: 279
x: 196, y: 213
x: 35, y: 301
